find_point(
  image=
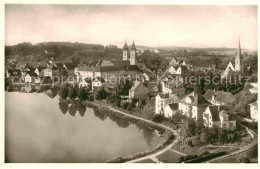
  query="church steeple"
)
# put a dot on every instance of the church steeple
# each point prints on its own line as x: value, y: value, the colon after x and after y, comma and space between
x: 239, y: 49
x: 239, y: 58
x: 133, y: 46
x: 125, y: 52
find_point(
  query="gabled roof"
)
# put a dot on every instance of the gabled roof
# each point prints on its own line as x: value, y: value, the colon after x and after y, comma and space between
x: 100, y: 79
x: 121, y: 62
x: 174, y: 106
x: 254, y: 104
x: 164, y: 96
x: 85, y: 68
x: 214, y: 113
x: 224, y: 97
x: 136, y: 84
x: 209, y: 93
x: 223, y: 113
x: 217, y: 111
x: 69, y: 66
x: 220, y: 96
x: 196, y: 100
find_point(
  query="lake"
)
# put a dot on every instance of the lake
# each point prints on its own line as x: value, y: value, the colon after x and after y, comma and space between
x: 41, y: 129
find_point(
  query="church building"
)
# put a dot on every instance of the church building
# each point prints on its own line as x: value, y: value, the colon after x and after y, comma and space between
x: 238, y: 68
x: 129, y: 53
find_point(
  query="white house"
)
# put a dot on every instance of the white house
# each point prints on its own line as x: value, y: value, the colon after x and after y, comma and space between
x: 193, y: 105
x: 28, y: 79
x: 37, y: 80
x: 48, y: 72
x: 175, y: 70
x: 146, y: 77
x: 183, y: 63
x: 217, y: 116
x: 98, y: 82
x: 173, y: 88
x: 84, y: 72
x: 171, y: 110
x: 37, y: 72
x: 253, y: 88
x: 162, y: 100
x: 253, y: 111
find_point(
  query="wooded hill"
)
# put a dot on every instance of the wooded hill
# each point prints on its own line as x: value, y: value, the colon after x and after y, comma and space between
x: 77, y: 52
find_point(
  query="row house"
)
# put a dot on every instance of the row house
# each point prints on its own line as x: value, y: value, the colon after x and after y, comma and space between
x: 219, y: 116
x: 109, y: 73
x: 219, y: 97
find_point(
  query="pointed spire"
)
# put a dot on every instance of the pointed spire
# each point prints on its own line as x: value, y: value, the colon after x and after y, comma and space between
x: 133, y: 46
x: 125, y: 46
x: 239, y: 48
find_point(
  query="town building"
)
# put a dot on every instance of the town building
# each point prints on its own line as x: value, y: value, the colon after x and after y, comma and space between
x: 98, y: 82
x: 237, y: 68
x: 218, y: 116
x: 193, y: 105
x: 138, y: 91
x: 162, y: 100
x: 253, y: 88
x: 253, y: 111
x: 171, y: 110
x: 173, y: 88
x: 219, y: 97
x: 28, y: 79
x: 130, y: 53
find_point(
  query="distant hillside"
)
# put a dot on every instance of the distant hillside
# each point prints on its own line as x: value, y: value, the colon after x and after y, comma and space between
x: 190, y: 48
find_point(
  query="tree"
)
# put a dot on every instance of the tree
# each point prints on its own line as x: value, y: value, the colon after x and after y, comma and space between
x: 101, y: 94
x: 64, y: 91
x: 72, y: 92
x: 82, y: 94
x: 123, y: 88
x: 158, y: 118
x: 204, y: 137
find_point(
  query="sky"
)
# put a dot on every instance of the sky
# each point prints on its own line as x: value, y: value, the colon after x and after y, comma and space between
x: 147, y: 25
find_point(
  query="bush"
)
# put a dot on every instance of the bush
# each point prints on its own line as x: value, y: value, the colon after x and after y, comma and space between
x: 72, y: 93
x: 158, y: 118
x: 82, y: 94
x: 101, y: 94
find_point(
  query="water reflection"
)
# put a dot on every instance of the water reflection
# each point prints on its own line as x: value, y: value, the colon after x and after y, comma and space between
x: 50, y: 91
x: 100, y: 115
x: 72, y: 107
x: 63, y: 107
x: 94, y: 137
x: 81, y: 109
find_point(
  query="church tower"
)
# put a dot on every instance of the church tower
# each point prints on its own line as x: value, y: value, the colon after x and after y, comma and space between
x: 125, y: 52
x: 132, y: 54
x: 239, y: 59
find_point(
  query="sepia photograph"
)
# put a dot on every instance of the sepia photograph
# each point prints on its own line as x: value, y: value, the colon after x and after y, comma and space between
x: 130, y: 83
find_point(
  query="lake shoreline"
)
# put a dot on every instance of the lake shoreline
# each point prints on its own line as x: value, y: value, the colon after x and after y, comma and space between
x: 170, y: 134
